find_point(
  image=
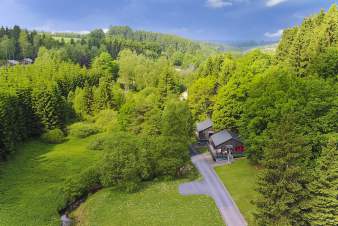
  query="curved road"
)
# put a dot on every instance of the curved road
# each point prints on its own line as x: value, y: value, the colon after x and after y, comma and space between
x: 212, y: 186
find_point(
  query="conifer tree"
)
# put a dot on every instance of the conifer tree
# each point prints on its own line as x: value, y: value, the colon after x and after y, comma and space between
x: 49, y: 106
x: 283, y: 181
x: 103, y: 95
x: 324, y: 188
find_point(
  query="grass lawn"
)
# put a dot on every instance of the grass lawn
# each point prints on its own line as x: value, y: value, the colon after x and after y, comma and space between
x: 30, y: 181
x: 240, y: 179
x: 159, y: 204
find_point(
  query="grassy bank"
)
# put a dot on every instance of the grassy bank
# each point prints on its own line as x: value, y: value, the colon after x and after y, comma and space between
x: 240, y: 179
x: 31, y: 180
x: 158, y: 204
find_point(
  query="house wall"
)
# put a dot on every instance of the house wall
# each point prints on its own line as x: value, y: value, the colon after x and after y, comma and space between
x: 204, y: 135
x: 234, y: 143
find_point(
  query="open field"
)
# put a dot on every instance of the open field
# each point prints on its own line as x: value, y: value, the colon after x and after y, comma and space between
x: 30, y: 181
x: 158, y: 204
x: 240, y: 180
x: 66, y: 39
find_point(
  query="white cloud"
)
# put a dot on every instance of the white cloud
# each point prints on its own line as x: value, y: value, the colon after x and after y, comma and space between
x: 271, y: 3
x: 218, y: 3
x: 276, y: 34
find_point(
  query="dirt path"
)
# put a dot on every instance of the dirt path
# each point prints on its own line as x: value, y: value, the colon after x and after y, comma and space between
x: 211, y: 185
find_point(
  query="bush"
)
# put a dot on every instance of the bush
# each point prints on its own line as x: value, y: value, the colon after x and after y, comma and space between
x: 83, y: 130
x: 98, y: 144
x: 54, y: 136
x: 81, y: 185
x: 106, y: 120
x: 122, y: 166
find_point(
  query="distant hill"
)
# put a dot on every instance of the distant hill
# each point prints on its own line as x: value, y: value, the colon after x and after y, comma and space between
x: 244, y: 46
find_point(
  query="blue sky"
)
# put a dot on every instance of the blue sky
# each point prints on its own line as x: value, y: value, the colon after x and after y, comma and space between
x: 222, y: 20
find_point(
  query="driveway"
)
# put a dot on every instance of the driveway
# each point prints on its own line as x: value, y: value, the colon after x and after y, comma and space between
x: 212, y: 186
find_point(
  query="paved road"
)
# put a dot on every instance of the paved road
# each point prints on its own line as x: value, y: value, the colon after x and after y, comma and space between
x: 212, y: 186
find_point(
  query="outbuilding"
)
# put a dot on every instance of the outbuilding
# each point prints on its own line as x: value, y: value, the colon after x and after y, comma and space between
x: 224, y: 144
x: 204, y: 130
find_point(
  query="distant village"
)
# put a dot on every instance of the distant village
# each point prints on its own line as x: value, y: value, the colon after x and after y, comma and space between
x: 17, y: 62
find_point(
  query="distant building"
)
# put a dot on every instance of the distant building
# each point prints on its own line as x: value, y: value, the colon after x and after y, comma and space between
x: 224, y: 144
x: 13, y: 62
x: 27, y: 61
x: 204, y: 130
x: 184, y: 95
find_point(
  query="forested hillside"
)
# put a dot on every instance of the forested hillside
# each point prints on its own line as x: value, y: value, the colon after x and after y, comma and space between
x: 17, y: 43
x: 285, y: 108
x: 132, y: 103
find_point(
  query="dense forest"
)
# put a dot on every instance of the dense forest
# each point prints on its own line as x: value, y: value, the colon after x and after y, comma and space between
x: 285, y: 108
x: 126, y: 83
x: 17, y: 43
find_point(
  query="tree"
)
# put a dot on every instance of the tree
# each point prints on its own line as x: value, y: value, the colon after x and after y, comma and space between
x: 7, y: 48
x: 103, y: 95
x: 95, y: 38
x: 324, y: 187
x: 122, y: 165
x: 49, y: 106
x: 127, y: 61
x: 282, y: 183
x: 83, y: 101
x: 176, y: 120
x: 104, y: 65
x: 326, y: 64
x: 168, y: 83
x: 201, y: 97
x: 25, y: 45
x: 277, y: 91
x: 171, y: 155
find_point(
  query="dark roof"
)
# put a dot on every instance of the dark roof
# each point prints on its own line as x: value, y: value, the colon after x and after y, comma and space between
x: 203, y: 125
x: 223, y: 136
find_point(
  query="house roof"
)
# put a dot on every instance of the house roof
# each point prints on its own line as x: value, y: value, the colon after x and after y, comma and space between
x: 223, y: 136
x: 203, y: 125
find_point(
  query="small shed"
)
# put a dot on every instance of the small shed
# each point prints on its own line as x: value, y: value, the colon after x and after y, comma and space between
x: 204, y: 130
x: 225, y: 143
x: 13, y: 62
x: 27, y: 61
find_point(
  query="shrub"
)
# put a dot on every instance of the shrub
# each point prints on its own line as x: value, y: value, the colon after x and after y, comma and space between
x: 106, y: 120
x: 97, y: 144
x: 54, y: 136
x: 121, y: 165
x: 81, y: 185
x: 83, y: 130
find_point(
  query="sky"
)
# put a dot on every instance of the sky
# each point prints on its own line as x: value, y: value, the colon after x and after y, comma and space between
x: 208, y: 20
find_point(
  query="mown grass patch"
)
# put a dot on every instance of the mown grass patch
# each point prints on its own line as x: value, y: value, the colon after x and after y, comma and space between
x: 240, y: 180
x: 158, y: 204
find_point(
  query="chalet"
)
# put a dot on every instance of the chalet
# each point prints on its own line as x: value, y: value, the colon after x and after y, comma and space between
x: 13, y: 62
x: 27, y: 61
x: 204, y: 130
x: 225, y: 145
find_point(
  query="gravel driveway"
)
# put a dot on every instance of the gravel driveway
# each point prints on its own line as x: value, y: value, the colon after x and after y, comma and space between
x: 213, y: 187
